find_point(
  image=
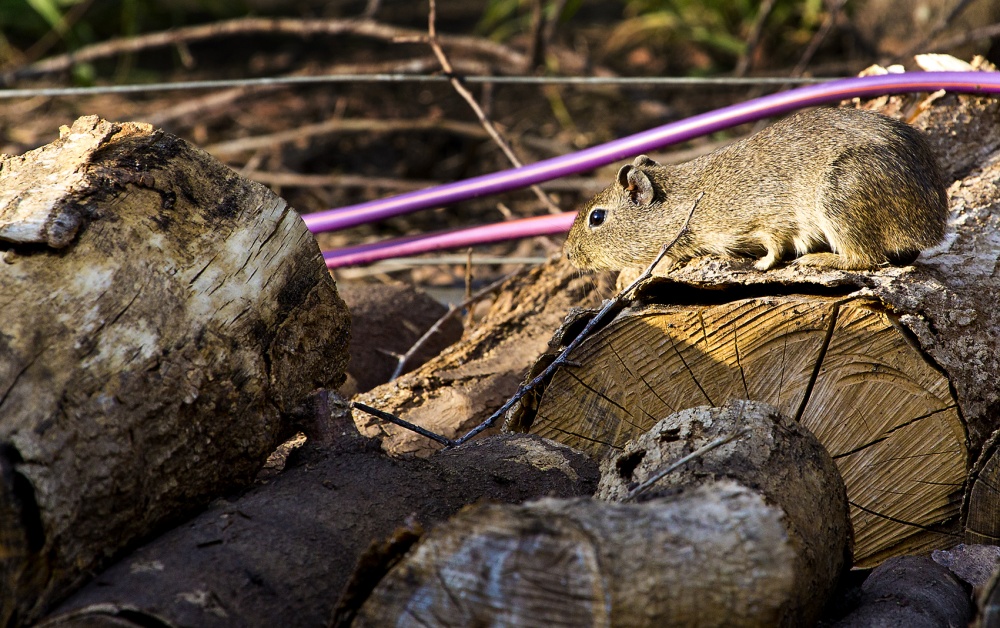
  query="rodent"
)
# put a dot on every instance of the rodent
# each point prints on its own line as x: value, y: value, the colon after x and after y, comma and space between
x: 839, y: 188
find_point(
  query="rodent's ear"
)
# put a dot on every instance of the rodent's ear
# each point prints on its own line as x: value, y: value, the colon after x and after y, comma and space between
x: 637, y: 184
x: 644, y: 160
x: 622, y: 176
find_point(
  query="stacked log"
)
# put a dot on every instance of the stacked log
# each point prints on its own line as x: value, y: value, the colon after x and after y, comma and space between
x: 752, y: 533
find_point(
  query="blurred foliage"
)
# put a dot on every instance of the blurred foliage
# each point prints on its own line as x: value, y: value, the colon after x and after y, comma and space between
x: 685, y: 36
x: 24, y: 23
x: 504, y: 18
x: 719, y: 26
x: 716, y: 30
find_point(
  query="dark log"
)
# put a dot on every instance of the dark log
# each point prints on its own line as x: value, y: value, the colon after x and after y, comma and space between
x: 281, y: 554
x: 910, y: 592
x: 752, y: 533
x: 161, y: 315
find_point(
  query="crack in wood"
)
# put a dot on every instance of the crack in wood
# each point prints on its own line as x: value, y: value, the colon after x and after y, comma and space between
x: 673, y: 344
x: 739, y: 363
x: 641, y: 378
x: 834, y: 315
x: 903, y: 522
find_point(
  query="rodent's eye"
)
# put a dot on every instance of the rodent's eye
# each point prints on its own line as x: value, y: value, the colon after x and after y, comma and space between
x: 596, y: 217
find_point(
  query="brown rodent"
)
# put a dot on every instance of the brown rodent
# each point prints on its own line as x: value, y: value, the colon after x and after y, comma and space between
x: 841, y: 188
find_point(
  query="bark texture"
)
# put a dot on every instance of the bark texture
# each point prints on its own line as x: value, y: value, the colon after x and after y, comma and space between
x: 910, y: 592
x: 161, y: 315
x: 761, y: 543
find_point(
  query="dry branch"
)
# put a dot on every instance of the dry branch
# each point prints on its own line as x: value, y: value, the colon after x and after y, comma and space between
x: 502, y: 55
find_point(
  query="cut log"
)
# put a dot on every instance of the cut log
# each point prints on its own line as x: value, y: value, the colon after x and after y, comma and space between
x: 160, y: 317
x: 895, y: 369
x: 458, y: 389
x: 752, y: 533
x: 281, y: 554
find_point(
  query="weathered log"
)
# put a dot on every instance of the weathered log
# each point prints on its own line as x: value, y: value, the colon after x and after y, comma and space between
x: 458, y: 389
x: 894, y: 369
x: 910, y: 592
x: 282, y: 553
x: 752, y: 533
x: 160, y: 316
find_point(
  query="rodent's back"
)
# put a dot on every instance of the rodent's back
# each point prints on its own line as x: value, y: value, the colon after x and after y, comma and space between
x: 859, y: 183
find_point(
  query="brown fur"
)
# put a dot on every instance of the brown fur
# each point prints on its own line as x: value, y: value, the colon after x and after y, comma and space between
x: 840, y: 188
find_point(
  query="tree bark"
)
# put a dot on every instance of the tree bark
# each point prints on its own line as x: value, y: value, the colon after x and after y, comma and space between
x: 894, y: 369
x: 910, y: 592
x: 161, y: 315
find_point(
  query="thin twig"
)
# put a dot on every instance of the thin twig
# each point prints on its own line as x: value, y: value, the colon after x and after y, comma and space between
x: 452, y: 310
x: 563, y: 358
x: 413, y: 427
x: 701, y: 451
x: 746, y: 59
x: 819, y: 37
x: 456, y: 83
x: 938, y: 28
x: 985, y: 32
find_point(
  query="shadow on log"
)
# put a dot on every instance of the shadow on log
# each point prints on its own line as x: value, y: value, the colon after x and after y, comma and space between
x: 161, y: 314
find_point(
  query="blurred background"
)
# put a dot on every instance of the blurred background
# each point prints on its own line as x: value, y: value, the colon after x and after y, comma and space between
x: 325, y: 145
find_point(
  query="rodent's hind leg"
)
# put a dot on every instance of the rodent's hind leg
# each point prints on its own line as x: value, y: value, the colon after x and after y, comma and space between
x: 833, y: 261
x: 773, y: 257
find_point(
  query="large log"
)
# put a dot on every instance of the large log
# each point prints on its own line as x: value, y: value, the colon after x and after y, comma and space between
x: 282, y: 553
x: 894, y: 369
x: 752, y: 533
x: 161, y: 316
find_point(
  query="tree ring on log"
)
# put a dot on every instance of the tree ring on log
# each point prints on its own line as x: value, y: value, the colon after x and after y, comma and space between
x: 843, y: 367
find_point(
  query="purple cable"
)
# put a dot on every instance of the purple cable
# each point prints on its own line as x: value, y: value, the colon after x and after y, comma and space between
x: 457, y: 238
x: 682, y: 130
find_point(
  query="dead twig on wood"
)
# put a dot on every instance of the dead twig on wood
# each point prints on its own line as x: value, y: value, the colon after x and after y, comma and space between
x: 697, y: 453
x: 611, y: 305
x: 395, y: 420
x: 452, y: 311
x: 456, y: 83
